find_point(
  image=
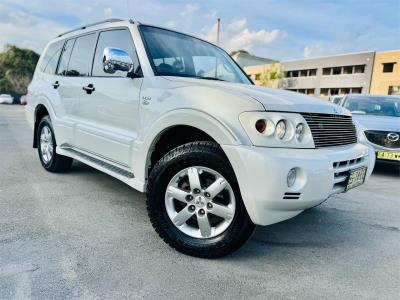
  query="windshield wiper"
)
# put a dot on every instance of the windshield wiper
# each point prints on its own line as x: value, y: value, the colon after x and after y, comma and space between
x: 191, y: 76
x: 209, y: 78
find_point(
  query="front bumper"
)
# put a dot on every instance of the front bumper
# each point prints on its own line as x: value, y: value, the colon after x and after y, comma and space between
x: 262, y: 176
x: 377, y: 148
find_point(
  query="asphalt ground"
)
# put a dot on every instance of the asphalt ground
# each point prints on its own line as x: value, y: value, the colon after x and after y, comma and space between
x: 86, y: 235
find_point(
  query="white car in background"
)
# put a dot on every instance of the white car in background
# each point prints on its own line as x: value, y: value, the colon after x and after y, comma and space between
x: 6, y: 99
x: 174, y: 116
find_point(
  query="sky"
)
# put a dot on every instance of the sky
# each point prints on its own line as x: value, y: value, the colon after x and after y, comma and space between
x: 282, y: 30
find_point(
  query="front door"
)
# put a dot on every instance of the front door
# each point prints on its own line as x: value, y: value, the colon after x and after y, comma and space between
x: 109, y: 104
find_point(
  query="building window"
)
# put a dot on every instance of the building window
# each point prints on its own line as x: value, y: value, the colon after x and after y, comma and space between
x: 313, y: 72
x: 388, y: 67
x: 334, y: 91
x: 303, y: 73
x: 348, y: 70
x: 344, y: 91
x: 258, y: 76
x: 326, y: 71
x: 394, y: 90
x: 324, y: 92
x: 356, y: 90
x: 359, y: 69
x: 339, y: 91
x: 336, y: 71
x: 310, y: 91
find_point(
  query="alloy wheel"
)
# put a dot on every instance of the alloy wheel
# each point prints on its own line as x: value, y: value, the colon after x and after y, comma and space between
x: 46, y: 144
x: 200, y: 202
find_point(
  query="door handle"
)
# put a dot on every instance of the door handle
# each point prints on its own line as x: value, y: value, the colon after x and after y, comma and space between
x: 56, y: 85
x: 89, y: 88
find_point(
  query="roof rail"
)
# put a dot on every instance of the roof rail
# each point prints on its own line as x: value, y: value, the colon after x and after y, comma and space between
x: 89, y: 25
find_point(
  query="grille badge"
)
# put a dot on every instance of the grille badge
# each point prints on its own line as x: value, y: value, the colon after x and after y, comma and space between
x: 392, y: 136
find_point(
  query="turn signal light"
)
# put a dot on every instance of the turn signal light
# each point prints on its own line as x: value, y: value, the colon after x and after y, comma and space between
x: 261, y: 125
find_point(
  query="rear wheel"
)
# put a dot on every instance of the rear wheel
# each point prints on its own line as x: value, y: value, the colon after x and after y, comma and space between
x: 46, y: 142
x: 194, y: 202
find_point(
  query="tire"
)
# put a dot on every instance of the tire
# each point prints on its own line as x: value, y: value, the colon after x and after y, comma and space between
x: 227, y: 233
x: 46, y: 142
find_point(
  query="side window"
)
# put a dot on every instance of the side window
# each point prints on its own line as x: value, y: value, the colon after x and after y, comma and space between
x: 119, y: 38
x: 66, y: 54
x: 50, y: 58
x: 81, y: 56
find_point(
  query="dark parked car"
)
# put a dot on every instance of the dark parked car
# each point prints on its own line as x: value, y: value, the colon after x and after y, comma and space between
x: 378, y: 121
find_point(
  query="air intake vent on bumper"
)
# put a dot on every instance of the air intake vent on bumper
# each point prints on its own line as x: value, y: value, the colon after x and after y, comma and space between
x: 292, y: 196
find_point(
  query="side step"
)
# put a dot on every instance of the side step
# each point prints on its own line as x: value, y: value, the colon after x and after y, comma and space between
x: 106, y: 167
x: 103, y: 164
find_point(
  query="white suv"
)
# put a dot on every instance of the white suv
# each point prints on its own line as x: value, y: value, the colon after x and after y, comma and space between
x: 175, y: 117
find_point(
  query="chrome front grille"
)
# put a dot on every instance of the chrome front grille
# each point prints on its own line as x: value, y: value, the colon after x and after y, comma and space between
x: 331, y: 130
x: 381, y: 138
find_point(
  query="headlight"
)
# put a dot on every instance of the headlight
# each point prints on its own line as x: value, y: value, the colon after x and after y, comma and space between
x: 300, y: 131
x: 277, y: 129
x: 280, y: 129
x: 360, y: 133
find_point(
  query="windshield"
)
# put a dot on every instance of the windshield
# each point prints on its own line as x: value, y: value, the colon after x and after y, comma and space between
x: 176, y: 54
x: 379, y: 106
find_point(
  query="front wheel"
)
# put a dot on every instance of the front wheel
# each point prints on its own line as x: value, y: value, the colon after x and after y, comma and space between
x: 194, y: 202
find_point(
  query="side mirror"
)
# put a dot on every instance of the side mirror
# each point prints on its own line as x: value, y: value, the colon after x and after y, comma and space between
x: 115, y: 59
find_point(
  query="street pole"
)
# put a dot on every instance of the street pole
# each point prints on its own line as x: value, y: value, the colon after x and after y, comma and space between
x: 218, y: 30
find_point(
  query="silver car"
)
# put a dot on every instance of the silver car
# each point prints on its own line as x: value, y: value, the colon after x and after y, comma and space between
x: 378, y: 121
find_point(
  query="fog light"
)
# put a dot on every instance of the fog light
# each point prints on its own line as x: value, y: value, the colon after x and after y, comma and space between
x: 291, y: 177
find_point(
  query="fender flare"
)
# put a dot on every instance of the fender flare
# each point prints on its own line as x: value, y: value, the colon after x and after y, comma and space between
x: 187, y: 117
x: 51, y: 114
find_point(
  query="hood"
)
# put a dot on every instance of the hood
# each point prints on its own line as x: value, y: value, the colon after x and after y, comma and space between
x: 271, y: 99
x: 381, y: 123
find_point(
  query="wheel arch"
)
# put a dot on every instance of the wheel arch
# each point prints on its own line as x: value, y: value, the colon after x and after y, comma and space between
x: 40, y: 111
x: 184, y: 121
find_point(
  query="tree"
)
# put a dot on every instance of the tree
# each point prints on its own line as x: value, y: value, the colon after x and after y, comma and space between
x: 16, y: 69
x: 270, y: 75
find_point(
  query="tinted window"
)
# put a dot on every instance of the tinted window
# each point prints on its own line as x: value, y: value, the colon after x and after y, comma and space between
x: 50, y: 59
x: 121, y: 39
x: 370, y: 105
x: 66, y: 54
x: 81, y: 56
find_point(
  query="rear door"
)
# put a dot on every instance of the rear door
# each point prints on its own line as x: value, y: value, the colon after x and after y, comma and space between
x: 69, y: 97
x: 111, y: 118
x: 74, y: 67
x: 48, y: 86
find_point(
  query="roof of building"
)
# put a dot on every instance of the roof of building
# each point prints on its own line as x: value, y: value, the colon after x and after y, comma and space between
x: 256, y: 60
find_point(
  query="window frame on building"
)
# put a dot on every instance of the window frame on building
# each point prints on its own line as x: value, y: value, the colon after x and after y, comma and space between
x: 388, y: 67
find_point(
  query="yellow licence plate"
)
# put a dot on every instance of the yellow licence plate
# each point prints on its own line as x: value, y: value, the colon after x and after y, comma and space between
x: 388, y: 155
